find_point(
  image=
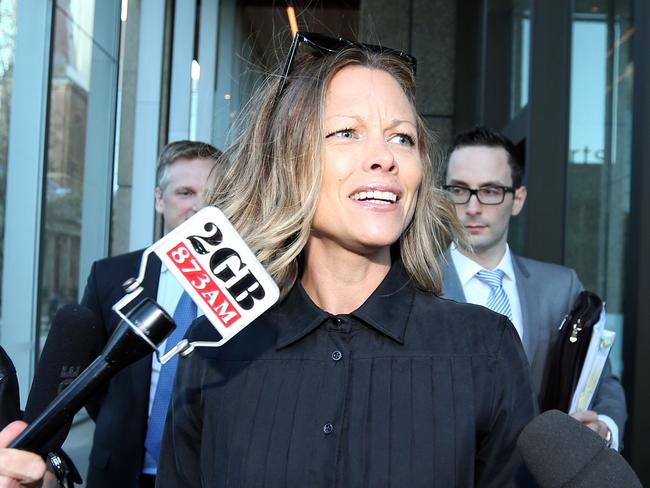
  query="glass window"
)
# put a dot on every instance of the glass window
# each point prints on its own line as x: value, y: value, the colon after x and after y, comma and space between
x: 598, y: 179
x: 7, y: 52
x: 506, y: 60
x: 126, y: 108
x: 135, y: 110
x: 68, y: 99
x: 253, y: 39
x: 82, y: 86
x: 520, y: 55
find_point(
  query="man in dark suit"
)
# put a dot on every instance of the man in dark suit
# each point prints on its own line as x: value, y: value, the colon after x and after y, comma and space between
x: 121, y: 413
x: 484, y: 179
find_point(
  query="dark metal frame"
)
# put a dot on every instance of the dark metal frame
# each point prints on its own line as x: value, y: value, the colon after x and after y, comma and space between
x: 548, y: 128
x: 636, y: 339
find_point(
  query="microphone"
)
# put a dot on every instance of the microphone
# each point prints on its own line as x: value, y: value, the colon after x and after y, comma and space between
x: 561, y: 452
x: 73, y: 342
x: 124, y: 347
x: 9, y: 393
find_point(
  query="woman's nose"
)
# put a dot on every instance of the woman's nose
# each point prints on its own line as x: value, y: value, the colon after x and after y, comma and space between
x: 379, y: 156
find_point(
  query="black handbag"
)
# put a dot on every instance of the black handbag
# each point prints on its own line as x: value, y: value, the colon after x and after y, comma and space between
x: 568, y: 354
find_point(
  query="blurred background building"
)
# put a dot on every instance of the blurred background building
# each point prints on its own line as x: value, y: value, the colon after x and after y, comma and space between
x: 90, y: 91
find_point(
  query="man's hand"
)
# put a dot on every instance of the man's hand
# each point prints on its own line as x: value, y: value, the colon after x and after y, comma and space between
x: 590, y: 419
x: 18, y: 468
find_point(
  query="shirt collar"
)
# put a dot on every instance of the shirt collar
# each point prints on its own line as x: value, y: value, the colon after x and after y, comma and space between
x: 387, y: 310
x: 467, y: 268
x: 505, y: 265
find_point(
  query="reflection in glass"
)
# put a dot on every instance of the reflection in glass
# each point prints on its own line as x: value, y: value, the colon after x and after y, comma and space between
x: 68, y: 99
x: 598, y: 179
x: 194, y: 97
x: 263, y: 36
x: 520, y: 55
x: 7, y: 52
x: 505, y: 60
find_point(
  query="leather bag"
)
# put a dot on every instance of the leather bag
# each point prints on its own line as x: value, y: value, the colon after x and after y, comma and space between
x: 568, y: 355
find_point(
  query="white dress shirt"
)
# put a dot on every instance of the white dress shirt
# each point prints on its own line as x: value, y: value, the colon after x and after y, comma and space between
x: 477, y: 291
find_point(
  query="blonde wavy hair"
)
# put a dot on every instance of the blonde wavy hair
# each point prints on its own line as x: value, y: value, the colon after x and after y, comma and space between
x: 270, y: 190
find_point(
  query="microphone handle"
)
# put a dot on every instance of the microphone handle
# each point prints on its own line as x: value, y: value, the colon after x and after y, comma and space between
x: 63, y: 407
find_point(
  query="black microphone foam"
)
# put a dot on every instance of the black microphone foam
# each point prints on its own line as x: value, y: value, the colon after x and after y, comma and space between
x: 562, y: 452
x: 151, y: 324
x: 73, y: 342
x: 9, y: 392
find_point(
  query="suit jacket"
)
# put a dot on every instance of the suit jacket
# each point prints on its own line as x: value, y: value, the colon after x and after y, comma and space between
x: 121, y: 410
x: 547, y: 292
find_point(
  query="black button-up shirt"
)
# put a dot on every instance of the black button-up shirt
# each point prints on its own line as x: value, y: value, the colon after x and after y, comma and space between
x: 408, y: 390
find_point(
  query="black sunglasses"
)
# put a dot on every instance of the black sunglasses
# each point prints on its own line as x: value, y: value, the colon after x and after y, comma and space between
x: 329, y: 45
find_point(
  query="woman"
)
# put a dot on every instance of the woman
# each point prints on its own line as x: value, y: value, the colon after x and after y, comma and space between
x: 361, y: 376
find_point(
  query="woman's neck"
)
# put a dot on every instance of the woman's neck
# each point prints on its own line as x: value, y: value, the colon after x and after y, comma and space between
x: 340, y: 281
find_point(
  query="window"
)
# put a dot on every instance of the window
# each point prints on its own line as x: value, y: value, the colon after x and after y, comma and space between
x: 7, y: 53
x: 600, y: 133
x: 79, y: 153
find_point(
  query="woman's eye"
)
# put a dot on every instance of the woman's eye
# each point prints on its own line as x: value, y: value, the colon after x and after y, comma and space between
x: 403, y: 139
x: 341, y: 134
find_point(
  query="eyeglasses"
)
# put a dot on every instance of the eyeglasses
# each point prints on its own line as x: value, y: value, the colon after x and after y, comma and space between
x: 329, y: 45
x: 487, y: 195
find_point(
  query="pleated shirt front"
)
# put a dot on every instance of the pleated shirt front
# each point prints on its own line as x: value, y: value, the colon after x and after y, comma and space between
x: 408, y: 390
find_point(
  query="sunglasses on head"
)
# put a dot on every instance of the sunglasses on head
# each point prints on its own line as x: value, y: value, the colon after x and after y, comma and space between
x: 329, y: 45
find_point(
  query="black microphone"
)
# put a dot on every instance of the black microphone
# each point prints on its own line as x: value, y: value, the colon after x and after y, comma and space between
x: 73, y: 342
x: 124, y: 347
x: 562, y: 452
x: 9, y: 392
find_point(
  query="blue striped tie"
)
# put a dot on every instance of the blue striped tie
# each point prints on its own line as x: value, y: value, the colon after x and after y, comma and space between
x: 184, y: 314
x: 498, y: 300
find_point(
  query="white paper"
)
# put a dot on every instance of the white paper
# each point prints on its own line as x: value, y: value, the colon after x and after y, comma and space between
x: 599, y: 347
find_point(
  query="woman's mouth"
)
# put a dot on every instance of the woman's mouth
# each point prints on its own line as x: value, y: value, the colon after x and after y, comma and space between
x: 375, y: 196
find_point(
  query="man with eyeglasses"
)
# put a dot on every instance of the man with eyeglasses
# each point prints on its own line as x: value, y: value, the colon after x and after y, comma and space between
x: 484, y: 180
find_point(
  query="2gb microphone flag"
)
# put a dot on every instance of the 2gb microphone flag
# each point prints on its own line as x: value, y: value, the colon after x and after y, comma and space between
x: 218, y: 270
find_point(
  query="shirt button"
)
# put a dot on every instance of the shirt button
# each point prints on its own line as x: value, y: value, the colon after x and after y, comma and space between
x: 337, y: 321
x: 328, y: 428
x: 336, y: 355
